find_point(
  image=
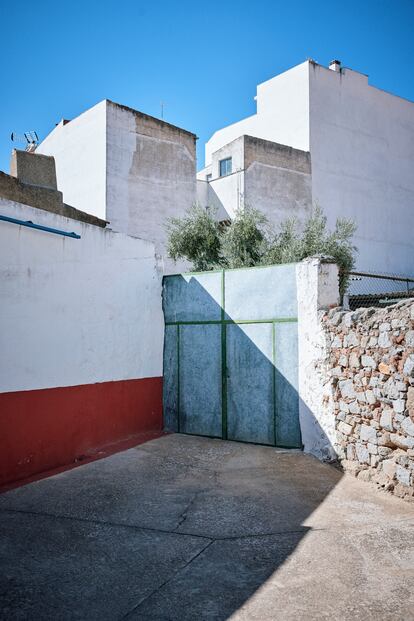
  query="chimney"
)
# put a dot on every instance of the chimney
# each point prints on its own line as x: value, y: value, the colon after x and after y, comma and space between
x: 335, y: 65
x: 33, y: 169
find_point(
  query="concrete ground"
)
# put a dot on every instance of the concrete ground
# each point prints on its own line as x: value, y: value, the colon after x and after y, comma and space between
x: 185, y: 528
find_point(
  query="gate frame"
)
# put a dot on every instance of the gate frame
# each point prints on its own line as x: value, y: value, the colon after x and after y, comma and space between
x: 223, y: 322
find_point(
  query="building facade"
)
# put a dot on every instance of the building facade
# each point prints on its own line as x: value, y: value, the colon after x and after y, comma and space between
x: 357, y: 140
x: 256, y: 172
x: 131, y: 169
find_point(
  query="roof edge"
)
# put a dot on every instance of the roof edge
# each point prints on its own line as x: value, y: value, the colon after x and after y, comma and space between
x: 151, y: 118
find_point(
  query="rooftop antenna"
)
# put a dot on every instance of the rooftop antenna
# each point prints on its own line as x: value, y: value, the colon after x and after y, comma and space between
x: 30, y: 139
x: 162, y: 109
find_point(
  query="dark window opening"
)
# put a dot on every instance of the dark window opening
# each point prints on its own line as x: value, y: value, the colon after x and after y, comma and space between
x: 225, y: 167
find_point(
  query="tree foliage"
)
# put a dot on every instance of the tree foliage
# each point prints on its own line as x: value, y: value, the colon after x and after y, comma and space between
x: 197, y: 238
x: 293, y: 244
x: 249, y: 240
x: 244, y: 242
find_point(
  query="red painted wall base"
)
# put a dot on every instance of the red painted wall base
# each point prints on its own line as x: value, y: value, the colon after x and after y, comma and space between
x: 45, y: 429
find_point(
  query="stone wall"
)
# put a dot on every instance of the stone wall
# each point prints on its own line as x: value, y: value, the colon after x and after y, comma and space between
x: 368, y: 365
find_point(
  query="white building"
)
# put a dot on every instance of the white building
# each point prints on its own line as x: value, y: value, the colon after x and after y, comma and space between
x: 126, y: 167
x: 351, y: 151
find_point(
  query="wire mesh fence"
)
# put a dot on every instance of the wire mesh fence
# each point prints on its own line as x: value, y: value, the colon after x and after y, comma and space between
x: 365, y: 289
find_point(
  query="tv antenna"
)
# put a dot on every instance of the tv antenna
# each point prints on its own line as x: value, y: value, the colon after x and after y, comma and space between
x: 30, y: 139
x: 162, y: 103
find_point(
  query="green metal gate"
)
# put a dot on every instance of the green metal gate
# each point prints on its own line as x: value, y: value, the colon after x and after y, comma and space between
x: 230, y: 355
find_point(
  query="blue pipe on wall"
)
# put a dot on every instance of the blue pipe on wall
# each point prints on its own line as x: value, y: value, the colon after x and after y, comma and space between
x: 40, y: 227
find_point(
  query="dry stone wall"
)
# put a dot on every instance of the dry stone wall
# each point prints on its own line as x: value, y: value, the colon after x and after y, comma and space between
x: 369, y: 367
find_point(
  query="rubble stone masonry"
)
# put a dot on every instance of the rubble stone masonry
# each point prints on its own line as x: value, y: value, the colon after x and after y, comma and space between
x: 368, y: 364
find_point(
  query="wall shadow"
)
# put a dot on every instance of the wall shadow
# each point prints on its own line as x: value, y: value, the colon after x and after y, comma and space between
x: 262, y: 406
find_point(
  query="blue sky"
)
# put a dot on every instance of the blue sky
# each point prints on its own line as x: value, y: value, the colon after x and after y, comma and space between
x: 59, y: 58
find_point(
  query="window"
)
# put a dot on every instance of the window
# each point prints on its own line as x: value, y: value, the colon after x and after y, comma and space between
x: 208, y: 177
x: 225, y: 167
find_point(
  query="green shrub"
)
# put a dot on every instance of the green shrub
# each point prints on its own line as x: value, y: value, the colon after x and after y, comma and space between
x: 244, y: 242
x: 290, y: 244
x: 197, y: 238
x: 249, y: 240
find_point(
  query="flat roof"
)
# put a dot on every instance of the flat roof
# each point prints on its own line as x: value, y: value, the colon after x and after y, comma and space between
x: 152, y: 118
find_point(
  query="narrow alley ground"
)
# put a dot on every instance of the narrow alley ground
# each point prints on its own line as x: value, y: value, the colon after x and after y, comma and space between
x: 186, y: 528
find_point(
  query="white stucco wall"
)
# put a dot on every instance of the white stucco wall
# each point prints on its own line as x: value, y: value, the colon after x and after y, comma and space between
x: 151, y: 175
x: 282, y: 113
x: 268, y: 176
x: 207, y: 198
x: 223, y: 136
x: 75, y: 311
x: 228, y: 191
x: 277, y: 180
x: 283, y: 108
x: 126, y: 167
x: 362, y: 165
x: 360, y: 139
x: 317, y: 289
x: 278, y: 193
x: 79, y: 149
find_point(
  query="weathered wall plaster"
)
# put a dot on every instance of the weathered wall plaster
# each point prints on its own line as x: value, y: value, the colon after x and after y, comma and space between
x: 151, y: 175
x: 360, y: 142
x: 129, y: 168
x: 317, y: 290
x: 271, y: 177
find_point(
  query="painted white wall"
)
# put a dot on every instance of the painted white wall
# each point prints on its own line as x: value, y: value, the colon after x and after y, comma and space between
x: 206, y: 195
x: 79, y: 149
x: 282, y: 114
x: 151, y: 175
x: 202, y: 174
x: 207, y: 198
x: 224, y: 136
x: 277, y: 180
x: 362, y: 165
x: 317, y: 289
x: 283, y: 108
x: 278, y: 193
x: 75, y: 311
x: 228, y: 191
x: 128, y: 168
x: 360, y: 139
x: 265, y: 175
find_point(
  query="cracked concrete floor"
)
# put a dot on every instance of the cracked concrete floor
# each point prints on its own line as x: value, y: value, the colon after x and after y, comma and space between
x: 186, y: 528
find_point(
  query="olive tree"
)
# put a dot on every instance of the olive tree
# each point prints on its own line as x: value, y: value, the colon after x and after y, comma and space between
x: 249, y: 240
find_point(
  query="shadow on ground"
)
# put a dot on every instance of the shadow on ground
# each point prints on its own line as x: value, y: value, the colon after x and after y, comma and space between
x: 185, y: 528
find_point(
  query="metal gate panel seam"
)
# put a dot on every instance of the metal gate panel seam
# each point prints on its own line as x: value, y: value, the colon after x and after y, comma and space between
x: 223, y: 295
x: 223, y: 359
x: 178, y: 378
x: 274, y: 382
x: 224, y: 381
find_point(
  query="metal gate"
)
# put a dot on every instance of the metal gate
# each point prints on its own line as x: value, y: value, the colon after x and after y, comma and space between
x: 230, y: 355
